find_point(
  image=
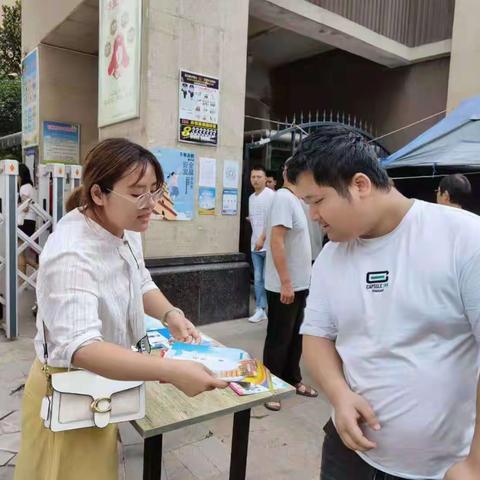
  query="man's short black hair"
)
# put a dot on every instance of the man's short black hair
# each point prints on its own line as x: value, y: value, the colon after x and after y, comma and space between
x: 259, y: 167
x: 458, y: 187
x: 334, y: 154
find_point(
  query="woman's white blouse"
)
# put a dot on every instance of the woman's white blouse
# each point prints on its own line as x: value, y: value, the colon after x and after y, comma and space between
x: 90, y: 288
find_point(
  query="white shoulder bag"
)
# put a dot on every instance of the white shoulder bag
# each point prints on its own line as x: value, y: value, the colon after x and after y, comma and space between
x: 80, y: 399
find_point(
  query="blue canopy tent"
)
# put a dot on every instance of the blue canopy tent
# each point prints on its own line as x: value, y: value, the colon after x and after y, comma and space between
x: 454, y: 141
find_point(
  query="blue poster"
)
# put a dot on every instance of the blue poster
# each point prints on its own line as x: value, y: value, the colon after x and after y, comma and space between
x: 61, y: 142
x: 206, y: 200
x: 229, y: 201
x: 178, y: 167
x: 30, y: 114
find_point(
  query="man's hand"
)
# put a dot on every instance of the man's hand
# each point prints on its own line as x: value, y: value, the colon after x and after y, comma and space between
x: 287, y: 295
x: 351, y: 410
x: 468, y: 469
x: 259, y: 244
x: 182, y: 329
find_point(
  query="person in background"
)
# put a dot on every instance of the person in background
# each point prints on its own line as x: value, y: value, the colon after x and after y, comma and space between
x: 27, y: 219
x: 258, y: 206
x: 287, y: 279
x: 315, y: 232
x: 454, y: 191
x: 271, y: 180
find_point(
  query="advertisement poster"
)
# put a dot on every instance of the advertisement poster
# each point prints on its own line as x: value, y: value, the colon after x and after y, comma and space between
x: 198, y: 108
x: 178, y: 167
x: 30, y: 114
x: 230, y: 174
x: 229, y: 201
x: 206, y: 200
x: 119, y: 60
x: 61, y: 142
x: 208, y: 172
x: 29, y: 160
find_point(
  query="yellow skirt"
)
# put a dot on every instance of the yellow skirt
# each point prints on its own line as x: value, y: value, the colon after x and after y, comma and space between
x: 87, y: 453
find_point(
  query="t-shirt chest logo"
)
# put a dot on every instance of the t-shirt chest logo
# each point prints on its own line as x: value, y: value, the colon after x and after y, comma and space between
x: 377, y: 282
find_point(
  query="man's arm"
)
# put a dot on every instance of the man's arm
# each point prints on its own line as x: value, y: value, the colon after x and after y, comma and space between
x: 469, y: 469
x: 469, y: 279
x: 277, y: 246
x: 260, y: 242
x: 325, y: 365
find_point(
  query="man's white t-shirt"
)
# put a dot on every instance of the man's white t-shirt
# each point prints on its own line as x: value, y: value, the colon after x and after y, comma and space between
x: 404, y: 310
x: 286, y: 210
x: 258, y: 206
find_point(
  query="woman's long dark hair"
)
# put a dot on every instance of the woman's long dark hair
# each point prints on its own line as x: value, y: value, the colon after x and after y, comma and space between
x: 24, y: 174
x: 106, y: 163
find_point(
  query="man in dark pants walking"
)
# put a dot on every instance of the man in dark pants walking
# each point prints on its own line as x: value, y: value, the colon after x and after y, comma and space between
x: 287, y: 278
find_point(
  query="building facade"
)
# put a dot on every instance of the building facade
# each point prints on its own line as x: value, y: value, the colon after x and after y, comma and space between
x: 386, y: 63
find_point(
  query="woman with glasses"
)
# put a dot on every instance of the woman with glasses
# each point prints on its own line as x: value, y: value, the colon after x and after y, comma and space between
x: 93, y: 291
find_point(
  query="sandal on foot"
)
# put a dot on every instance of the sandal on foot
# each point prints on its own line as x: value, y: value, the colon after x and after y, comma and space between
x: 306, y: 390
x: 273, y: 406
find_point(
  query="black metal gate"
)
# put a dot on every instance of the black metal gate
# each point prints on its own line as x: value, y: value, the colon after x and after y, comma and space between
x: 271, y: 148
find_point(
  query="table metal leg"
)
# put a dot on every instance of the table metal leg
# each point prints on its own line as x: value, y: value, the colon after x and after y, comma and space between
x: 152, y: 458
x: 238, y: 456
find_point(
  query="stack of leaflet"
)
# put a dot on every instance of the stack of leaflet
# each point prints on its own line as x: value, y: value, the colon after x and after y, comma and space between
x: 245, y: 374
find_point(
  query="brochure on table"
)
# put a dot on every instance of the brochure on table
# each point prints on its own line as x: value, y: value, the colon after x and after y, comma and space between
x: 245, y: 374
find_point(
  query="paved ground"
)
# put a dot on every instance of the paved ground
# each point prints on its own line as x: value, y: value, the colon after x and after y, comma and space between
x: 283, y: 445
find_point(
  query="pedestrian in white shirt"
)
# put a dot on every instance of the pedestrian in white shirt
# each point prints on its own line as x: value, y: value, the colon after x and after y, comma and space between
x: 93, y: 292
x: 258, y: 205
x: 27, y: 219
x: 392, y: 323
x: 287, y: 278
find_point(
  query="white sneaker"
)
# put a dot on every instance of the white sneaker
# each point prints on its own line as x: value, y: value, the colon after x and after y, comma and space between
x: 258, y: 316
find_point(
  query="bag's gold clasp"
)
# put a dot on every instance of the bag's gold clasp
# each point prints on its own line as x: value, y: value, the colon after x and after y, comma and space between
x: 48, y: 376
x: 97, y: 407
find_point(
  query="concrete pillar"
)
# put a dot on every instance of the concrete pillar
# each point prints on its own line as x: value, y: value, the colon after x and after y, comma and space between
x: 196, y: 263
x: 464, y: 80
x: 68, y: 92
x: 210, y: 40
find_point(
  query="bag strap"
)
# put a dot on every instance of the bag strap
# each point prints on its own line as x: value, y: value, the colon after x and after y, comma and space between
x: 45, y: 368
x: 45, y: 347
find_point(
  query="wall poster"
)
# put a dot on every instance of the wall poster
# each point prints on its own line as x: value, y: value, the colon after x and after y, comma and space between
x: 198, y: 108
x: 178, y: 167
x: 119, y: 60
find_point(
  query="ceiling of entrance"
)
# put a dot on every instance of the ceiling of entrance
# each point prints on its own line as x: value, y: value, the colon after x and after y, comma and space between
x: 267, y: 44
x: 274, y: 46
x: 79, y: 31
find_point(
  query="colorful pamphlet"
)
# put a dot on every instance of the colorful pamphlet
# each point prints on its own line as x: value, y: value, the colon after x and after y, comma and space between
x: 243, y: 388
x: 230, y: 364
x: 245, y: 374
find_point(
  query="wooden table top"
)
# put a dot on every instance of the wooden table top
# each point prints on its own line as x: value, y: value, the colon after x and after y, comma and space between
x: 168, y: 409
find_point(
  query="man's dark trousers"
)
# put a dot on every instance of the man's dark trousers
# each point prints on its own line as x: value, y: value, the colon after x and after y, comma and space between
x: 283, y: 345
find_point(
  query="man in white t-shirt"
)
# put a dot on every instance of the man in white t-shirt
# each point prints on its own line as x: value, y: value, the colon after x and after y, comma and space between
x: 258, y: 206
x: 287, y: 278
x: 271, y: 181
x: 392, y: 322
